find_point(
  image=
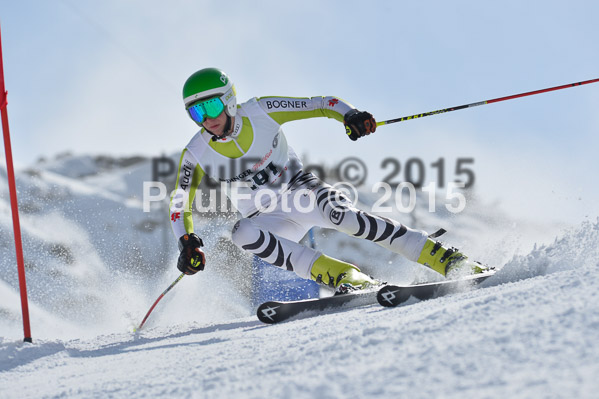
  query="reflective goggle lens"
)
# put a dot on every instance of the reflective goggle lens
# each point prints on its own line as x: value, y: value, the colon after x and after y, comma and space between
x: 206, y: 109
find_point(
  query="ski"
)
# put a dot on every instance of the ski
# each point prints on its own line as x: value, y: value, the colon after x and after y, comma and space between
x: 274, y: 311
x: 393, y: 295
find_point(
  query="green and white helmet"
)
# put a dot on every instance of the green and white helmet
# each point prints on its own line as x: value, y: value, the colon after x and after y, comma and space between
x: 207, y: 83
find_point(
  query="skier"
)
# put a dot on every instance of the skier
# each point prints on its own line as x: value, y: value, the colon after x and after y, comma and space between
x: 280, y: 203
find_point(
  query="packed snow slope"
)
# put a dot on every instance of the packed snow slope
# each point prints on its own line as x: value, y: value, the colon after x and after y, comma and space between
x: 532, y: 330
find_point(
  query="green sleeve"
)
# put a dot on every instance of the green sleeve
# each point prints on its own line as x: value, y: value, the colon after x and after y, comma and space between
x: 198, y: 174
x: 286, y: 109
x: 189, y: 178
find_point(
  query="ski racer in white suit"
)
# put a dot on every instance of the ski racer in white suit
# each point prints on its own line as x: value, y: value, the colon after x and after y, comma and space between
x: 278, y: 201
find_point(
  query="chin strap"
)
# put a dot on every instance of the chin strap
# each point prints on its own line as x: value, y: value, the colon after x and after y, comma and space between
x: 227, y: 130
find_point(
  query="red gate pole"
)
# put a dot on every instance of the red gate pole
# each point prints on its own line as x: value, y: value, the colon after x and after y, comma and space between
x: 10, y: 172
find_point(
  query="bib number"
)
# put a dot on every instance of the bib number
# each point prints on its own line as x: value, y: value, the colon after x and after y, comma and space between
x: 264, y: 176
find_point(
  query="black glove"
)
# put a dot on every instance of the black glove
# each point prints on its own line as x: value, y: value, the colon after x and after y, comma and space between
x: 358, y: 124
x: 191, y: 259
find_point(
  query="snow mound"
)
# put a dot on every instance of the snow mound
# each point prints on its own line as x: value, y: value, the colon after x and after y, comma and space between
x: 576, y: 250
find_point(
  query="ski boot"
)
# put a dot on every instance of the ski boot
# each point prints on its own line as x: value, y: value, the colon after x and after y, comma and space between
x: 448, y: 261
x: 341, y: 276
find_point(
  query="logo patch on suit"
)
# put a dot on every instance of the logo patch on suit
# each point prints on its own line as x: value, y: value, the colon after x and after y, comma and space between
x: 336, y: 215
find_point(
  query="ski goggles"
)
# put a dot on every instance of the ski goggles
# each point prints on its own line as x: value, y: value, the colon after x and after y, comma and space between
x: 210, y: 108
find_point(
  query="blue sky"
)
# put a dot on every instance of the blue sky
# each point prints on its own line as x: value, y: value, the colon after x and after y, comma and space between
x: 105, y: 78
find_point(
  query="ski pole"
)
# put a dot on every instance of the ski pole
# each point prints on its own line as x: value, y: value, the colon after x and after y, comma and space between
x: 158, y: 300
x: 495, y: 100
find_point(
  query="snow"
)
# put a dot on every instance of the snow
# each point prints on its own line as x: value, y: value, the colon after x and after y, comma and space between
x: 529, y: 331
x: 532, y: 338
